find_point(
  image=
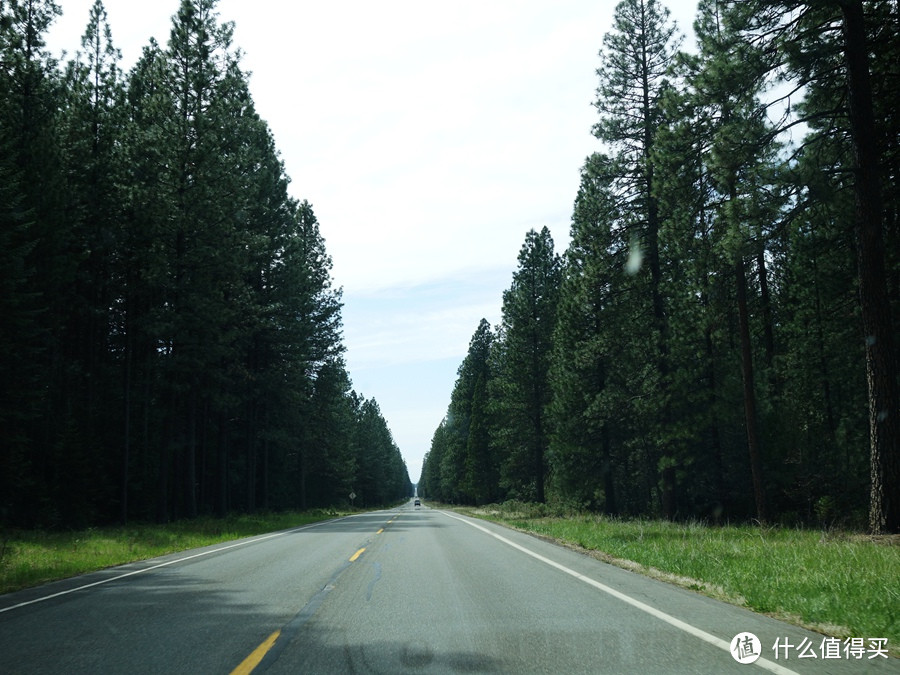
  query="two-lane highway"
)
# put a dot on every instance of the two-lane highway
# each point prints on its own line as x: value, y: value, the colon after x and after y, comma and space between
x: 409, y: 590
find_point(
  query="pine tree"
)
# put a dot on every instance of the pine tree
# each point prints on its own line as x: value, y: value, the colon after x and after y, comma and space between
x: 333, y: 466
x: 170, y: 308
x: 430, y: 484
x: 41, y: 240
x: 203, y: 268
x: 584, y: 424
x: 308, y: 325
x: 149, y: 206
x: 726, y: 83
x: 467, y: 465
x: 91, y: 122
x: 521, y: 388
x: 20, y: 331
x: 636, y: 58
x: 831, y: 48
x: 881, y: 351
x: 381, y: 475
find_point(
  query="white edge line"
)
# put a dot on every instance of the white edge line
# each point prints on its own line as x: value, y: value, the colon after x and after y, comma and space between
x: 652, y: 611
x: 167, y: 563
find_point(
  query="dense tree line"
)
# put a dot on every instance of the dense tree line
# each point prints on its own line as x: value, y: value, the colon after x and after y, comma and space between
x: 170, y: 340
x: 722, y: 341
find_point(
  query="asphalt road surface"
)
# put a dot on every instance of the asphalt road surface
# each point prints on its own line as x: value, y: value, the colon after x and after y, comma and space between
x: 410, y: 590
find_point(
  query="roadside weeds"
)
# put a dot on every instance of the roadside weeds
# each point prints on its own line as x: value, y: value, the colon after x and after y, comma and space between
x: 840, y: 584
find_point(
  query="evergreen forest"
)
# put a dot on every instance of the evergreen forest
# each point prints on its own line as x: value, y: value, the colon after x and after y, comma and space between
x: 170, y: 337
x: 717, y: 342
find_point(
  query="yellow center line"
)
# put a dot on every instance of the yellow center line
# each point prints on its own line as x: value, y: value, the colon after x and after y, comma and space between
x: 253, y: 660
x: 380, y: 531
x: 249, y: 664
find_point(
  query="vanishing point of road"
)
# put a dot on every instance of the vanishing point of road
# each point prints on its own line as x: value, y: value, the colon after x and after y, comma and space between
x: 408, y: 590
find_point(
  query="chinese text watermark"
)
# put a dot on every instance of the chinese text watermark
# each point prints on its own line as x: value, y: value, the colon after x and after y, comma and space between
x: 747, y: 648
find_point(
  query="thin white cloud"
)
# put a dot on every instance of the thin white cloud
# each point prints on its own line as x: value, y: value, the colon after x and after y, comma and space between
x: 414, y: 324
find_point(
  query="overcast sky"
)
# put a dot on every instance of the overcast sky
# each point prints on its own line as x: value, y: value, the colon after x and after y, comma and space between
x: 429, y: 138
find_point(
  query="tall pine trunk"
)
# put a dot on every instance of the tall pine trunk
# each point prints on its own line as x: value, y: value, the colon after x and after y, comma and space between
x: 660, y: 322
x: 190, y: 478
x: 768, y: 322
x: 126, y: 440
x: 881, y: 367
x: 222, y: 467
x: 610, y: 506
x: 750, y: 415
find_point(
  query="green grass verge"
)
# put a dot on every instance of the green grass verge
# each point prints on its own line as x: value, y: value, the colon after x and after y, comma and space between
x: 837, y: 583
x: 30, y: 558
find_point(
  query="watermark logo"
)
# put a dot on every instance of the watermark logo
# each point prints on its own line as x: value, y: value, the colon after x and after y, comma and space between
x: 745, y: 647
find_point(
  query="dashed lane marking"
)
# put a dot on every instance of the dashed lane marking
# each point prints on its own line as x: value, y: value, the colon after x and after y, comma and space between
x: 248, y: 664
